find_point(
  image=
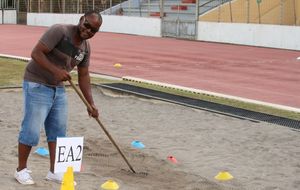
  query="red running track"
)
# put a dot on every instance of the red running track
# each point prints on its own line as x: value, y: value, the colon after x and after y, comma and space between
x: 263, y: 74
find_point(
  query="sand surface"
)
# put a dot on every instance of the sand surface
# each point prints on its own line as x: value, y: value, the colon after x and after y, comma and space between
x: 259, y: 155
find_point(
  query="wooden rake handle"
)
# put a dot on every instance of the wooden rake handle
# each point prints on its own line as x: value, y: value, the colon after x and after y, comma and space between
x: 89, y: 107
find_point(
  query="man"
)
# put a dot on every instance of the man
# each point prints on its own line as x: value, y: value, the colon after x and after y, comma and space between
x: 60, y: 49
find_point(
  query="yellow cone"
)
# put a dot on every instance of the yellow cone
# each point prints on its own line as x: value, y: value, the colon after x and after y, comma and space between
x: 110, y: 185
x: 68, y: 180
x: 223, y: 176
x: 117, y: 65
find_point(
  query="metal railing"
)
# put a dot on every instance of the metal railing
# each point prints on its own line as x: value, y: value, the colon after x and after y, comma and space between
x: 7, y: 4
x: 65, y: 6
x: 284, y: 12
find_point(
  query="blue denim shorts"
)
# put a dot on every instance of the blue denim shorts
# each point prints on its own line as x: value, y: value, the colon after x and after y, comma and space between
x: 44, y: 106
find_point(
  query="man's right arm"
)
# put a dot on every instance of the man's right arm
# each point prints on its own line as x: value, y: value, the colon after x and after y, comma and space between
x: 39, y: 53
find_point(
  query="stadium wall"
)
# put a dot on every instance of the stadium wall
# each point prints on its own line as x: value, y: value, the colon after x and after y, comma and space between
x: 111, y: 23
x: 274, y: 36
x: 10, y: 17
x: 264, y: 35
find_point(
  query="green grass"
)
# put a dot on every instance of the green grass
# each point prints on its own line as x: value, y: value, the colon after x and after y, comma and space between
x: 11, y: 74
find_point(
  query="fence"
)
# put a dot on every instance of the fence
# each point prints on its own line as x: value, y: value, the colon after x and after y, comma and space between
x: 65, y: 6
x: 7, y: 4
x: 282, y: 12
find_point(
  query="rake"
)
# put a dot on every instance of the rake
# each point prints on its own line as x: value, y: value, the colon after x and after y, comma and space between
x: 89, y: 107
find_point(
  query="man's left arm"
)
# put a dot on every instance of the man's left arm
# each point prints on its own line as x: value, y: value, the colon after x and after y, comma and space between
x: 85, y: 87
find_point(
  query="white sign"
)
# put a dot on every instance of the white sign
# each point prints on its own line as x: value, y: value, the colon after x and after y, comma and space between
x: 69, y: 151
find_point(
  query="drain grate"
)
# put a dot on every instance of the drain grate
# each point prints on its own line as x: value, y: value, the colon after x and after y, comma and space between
x: 204, y: 105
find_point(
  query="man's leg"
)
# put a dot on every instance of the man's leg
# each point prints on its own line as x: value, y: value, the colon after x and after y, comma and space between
x: 55, y: 126
x: 22, y: 174
x: 24, y: 151
x: 52, y: 148
x: 37, y: 103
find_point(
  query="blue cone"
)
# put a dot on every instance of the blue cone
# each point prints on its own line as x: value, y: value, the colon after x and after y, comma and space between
x: 42, y: 151
x: 137, y: 144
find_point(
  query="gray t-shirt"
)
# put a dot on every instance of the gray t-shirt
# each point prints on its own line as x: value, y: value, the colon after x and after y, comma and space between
x: 63, y: 54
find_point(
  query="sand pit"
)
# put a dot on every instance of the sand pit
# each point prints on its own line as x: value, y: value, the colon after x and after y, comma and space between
x: 258, y: 155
